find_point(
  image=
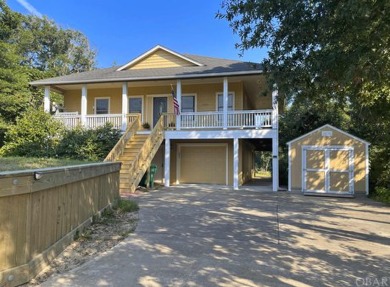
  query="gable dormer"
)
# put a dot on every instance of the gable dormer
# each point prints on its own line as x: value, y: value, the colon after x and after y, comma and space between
x: 160, y: 57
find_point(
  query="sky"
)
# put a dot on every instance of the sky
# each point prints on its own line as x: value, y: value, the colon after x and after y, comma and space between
x: 121, y: 30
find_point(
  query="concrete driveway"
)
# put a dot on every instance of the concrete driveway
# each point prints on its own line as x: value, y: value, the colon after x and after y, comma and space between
x: 213, y: 236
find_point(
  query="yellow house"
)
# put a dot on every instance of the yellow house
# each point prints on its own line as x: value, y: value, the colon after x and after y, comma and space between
x: 223, y: 115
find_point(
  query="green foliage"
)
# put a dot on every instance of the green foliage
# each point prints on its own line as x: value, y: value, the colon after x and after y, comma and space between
x: 3, y: 131
x: 337, y: 48
x: 127, y: 206
x: 382, y: 194
x: 330, y: 61
x: 10, y: 163
x: 32, y: 48
x: 35, y: 134
x: 84, y: 144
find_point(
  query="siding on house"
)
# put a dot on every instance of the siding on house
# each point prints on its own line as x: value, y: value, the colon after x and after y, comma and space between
x: 246, y: 162
x: 161, y: 59
x: 206, y: 97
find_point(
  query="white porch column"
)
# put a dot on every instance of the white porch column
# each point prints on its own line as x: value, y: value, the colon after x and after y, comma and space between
x: 236, y: 149
x: 178, y: 97
x: 275, y: 141
x: 84, y: 95
x: 125, y: 106
x: 275, y: 109
x: 46, y: 100
x: 167, y: 162
x: 225, y: 102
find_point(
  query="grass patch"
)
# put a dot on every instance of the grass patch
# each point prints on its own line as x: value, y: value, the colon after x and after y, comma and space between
x: 22, y: 163
x: 127, y: 205
x: 262, y: 174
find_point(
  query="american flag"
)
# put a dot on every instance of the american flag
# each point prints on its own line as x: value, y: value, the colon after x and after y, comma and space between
x: 176, y: 108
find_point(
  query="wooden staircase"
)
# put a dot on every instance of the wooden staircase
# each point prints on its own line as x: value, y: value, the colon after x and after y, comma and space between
x: 127, y: 158
x: 136, y: 152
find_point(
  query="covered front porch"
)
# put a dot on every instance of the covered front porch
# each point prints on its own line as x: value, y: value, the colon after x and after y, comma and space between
x: 217, y: 103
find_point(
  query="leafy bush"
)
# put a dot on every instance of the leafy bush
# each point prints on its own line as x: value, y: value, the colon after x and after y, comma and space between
x: 85, y: 144
x: 35, y: 134
x: 3, y: 131
x: 382, y: 194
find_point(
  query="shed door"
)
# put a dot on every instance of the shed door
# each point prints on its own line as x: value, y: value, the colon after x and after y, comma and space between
x: 202, y: 163
x: 328, y: 170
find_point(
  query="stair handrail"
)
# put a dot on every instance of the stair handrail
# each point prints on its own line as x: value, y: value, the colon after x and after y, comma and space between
x: 148, y: 150
x: 118, y: 149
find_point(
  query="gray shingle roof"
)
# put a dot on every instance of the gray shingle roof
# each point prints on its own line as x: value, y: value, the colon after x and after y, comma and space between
x: 213, y: 67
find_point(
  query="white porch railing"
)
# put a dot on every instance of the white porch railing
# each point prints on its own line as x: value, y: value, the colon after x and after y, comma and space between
x: 250, y: 119
x: 94, y: 121
x: 72, y: 120
x: 242, y: 119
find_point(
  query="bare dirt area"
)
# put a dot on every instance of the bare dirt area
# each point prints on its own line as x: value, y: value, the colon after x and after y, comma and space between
x: 106, y: 232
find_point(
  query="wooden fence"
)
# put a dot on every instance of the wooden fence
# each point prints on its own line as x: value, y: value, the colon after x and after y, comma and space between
x: 41, y: 210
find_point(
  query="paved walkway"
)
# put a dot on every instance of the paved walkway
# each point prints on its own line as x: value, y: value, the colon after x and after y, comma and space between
x: 210, y: 236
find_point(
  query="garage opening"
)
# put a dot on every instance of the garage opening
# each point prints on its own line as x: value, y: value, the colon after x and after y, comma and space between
x: 202, y: 163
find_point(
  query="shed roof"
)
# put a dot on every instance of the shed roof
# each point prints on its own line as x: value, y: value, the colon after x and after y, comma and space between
x: 330, y: 127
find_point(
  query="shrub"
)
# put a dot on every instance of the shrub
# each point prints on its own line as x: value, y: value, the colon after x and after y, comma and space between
x: 3, y: 131
x: 382, y: 194
x: 35, y: 134
x: 84, y: 144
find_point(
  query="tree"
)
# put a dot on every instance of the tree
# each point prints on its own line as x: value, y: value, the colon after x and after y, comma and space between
x: 47, y: 47
x: 32, y: 48
x: 323, y: 52
x: 337, y: 48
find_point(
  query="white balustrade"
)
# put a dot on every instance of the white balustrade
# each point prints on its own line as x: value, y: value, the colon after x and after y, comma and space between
x: 243, y: 119
x: 94, y: 121
x: 236, y: 119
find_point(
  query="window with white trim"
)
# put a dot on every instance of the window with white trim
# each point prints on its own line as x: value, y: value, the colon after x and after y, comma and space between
x: 220, y: 102
x: 135, y: 105
x: 102, y: 106
x: 188, y: 104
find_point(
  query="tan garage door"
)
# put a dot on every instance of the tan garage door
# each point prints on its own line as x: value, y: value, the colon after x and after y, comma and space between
x: 202, y: 163
x: 328, y: 170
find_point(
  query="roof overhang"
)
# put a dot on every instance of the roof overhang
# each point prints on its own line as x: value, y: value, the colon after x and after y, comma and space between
x: 41, y: 83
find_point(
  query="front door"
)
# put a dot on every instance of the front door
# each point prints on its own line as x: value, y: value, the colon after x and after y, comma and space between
x: 159, y: 107
x: 328, y: 170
